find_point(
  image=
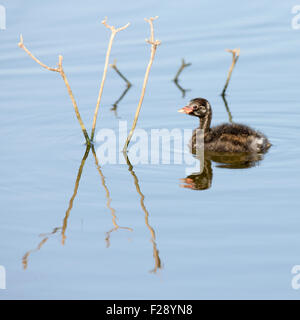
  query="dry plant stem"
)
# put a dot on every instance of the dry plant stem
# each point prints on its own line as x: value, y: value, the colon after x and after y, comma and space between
x: 128, y: 86
x: 154, y: 44
x: 227, y: 109
x: 183, y: 91
x: 62, y: 73
x: 176, y: 80
x: 121, y: 97
x: 114, y: 31
x: 114, y: 66
x: 60, y: 70
x: 183, y: 65
x: 235, y: 57
x: 115, y: 105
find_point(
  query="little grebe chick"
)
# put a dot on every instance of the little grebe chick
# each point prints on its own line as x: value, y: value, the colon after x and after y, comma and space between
x: 226, y: 137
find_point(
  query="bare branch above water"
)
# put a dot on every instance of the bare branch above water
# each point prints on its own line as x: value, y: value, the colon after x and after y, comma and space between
x: 235, y: 57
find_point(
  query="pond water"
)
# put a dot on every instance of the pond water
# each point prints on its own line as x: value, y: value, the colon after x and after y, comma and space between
x: 134, y: 232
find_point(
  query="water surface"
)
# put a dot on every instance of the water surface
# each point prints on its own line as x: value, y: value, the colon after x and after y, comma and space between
x: 135, y: 232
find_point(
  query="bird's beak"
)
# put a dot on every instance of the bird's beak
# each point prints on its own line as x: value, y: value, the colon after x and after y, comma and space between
x: 186, y: 109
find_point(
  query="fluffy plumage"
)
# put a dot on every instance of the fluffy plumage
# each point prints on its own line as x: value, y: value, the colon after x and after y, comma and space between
x: 227, y: 137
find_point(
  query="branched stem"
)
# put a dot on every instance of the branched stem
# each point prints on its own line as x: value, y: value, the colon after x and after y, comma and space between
x: 235, y: 57
x: 154, y: 44
x: 114, y: 31
x: 176, y: 80
x: 60, y: 70
x: 114, y: 66
x: 183, y: 65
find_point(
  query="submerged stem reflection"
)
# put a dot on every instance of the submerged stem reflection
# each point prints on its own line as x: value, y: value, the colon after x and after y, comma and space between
x: 157, y: 261
x: 39, y: 246
x: 63, y: 228
x: 65, y: 222
x: 108, y: 203
x: 115, y: 105
x: 128, y: 86
x: 176, y: 80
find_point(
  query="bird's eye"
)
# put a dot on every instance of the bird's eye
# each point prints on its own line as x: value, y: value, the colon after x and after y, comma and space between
x: 195, y: 107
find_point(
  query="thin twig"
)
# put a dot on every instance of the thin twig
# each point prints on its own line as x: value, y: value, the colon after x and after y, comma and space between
x: 22, y: 46
x: 184, y: 91
x: 115, y: 105
x: 176, y: 80
x: 128, y: 86
x: 114, y: 66
x: 114, y: 31
x: 60, y: 70
x: 235, y: 57
x: 154, y: 44
x: 227, y: 108
x: 183, y: 65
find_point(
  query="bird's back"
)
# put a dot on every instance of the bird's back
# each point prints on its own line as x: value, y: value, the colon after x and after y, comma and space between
x: 234, y: 138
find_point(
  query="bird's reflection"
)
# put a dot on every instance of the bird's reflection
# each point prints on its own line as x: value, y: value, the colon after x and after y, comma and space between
x: 176, y: 78
x: 157, y: 261
x: 199, y: 181
x: 203, y: 179
x: 234, y: 161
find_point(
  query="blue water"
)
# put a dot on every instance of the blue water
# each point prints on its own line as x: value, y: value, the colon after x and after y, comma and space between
x: 238, y: 239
